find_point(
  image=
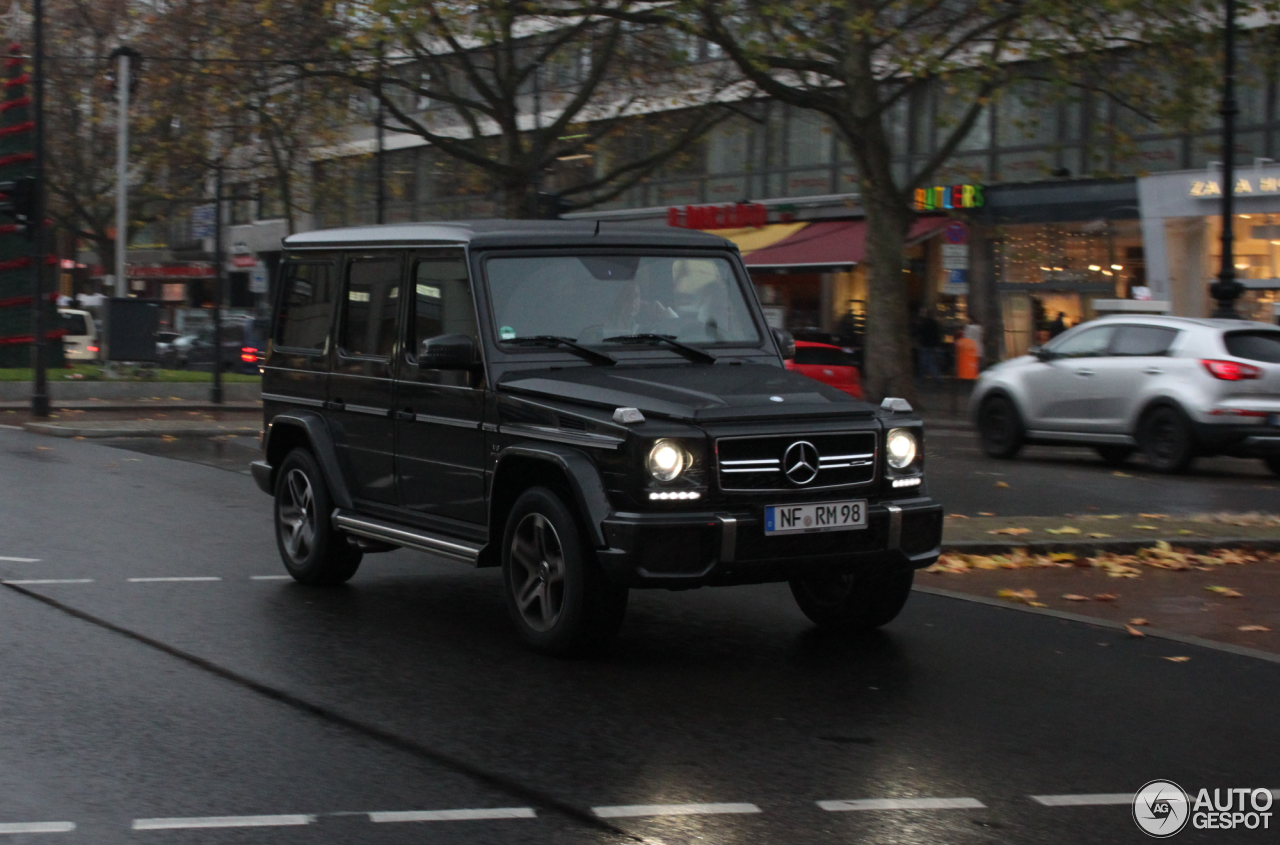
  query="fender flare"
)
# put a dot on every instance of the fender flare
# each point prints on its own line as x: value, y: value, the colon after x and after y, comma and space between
x: 316, y: 431
x: 583, y: 477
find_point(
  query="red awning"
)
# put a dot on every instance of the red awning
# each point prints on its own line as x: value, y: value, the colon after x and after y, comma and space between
x: 831, y: 243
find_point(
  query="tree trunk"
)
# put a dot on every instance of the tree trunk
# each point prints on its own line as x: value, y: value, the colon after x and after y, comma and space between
x: 984, y: 298
x: 887, y: 354
x: 517, y: 201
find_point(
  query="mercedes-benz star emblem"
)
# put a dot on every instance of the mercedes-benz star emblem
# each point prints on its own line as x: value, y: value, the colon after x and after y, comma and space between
x: 800, y: 462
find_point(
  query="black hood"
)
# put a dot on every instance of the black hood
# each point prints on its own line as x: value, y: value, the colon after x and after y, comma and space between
x: 720, y: 392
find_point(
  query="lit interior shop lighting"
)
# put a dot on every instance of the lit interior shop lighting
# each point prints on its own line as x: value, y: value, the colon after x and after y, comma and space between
x: 1095, y: 267
x: 1117, y: 267
x: 667, y: 495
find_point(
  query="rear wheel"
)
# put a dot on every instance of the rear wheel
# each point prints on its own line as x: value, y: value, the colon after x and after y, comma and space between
x: 1166, y: 440
x: 1000, y: 428
x: 556, y: 593
x: 313, y: 552
x: 1273, y: 464
x: 1114, y: 455
x: 852, y: 602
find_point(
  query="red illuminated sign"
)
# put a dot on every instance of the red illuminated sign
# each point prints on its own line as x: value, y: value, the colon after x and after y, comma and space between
x: 736, y: 216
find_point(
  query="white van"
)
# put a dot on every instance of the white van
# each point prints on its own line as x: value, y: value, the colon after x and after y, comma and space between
x: 80, y: 343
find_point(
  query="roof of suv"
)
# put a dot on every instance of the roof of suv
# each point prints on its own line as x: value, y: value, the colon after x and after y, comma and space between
x: 508, y: 233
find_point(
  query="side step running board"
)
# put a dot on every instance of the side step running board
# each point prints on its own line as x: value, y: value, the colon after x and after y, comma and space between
x: 410, y: 538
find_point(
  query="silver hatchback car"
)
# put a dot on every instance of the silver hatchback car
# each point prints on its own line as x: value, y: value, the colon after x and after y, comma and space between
x: 1172, y: 387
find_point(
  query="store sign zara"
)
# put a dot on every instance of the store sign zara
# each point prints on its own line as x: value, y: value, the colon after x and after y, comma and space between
x: 1244, y: 185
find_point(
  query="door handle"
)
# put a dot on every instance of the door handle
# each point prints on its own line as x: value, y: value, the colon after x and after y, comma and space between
x: 1084, y: 372
x: 336, y: 405
x: 1153, y: 371
x: 406, y: 414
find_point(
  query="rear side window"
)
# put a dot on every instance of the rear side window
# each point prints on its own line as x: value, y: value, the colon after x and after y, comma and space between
x: 306, y: 306
x: 822, y: 357
x: 1254, y: 346
x: 441, y: 301
x: 370, y: 306
x: 1142, y: 340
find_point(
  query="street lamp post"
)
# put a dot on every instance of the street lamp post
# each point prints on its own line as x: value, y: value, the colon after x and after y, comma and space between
x: 1226, y: 290
x: 36, y: 227
x: 219, y: 260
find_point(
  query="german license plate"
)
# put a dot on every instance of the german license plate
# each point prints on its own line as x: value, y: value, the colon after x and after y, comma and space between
x: 823, y: 516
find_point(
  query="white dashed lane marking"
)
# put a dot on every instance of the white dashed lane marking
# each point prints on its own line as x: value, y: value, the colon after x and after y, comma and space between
x: 902, y: 804
x: 454, y: 815
x: 20, y: 559
x: 270, y: 577
x: 174, y: 579
x: 636, y: 810
x: 32, y: 581
x: 222, y: 821
x: 38, y: 827
x: 1096, y: 800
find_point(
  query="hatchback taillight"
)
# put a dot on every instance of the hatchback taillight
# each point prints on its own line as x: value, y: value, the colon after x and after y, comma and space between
x: 1231, y: 370
x: 248, y: 354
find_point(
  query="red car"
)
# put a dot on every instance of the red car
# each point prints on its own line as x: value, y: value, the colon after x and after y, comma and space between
x: 829, y: 365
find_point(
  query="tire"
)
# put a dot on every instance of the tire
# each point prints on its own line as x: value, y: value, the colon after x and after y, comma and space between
x: 852, y: 602
x: 1114, y: 456
x: 313, y: 552
x: 1273, y: 464
x: 1166, y: 440
x: 1000, y: 428
x: 556, y: 593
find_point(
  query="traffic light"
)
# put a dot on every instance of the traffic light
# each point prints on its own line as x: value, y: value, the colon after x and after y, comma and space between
x: 18, y: 201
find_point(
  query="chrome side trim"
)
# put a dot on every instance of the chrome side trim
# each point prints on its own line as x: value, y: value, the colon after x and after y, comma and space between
x: 575, y: 438
x: 728, y: 539
x: 453, y: 421
x: 895, y: 527
x: 490, y: 427
x: 368, y: 409
x: 1261, y: 440
x: 1083, y: 437
x: 411, y: 538
x: 294, y: 400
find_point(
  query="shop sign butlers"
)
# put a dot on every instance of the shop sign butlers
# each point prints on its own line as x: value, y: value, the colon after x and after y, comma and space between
x: 737, y: 216
x: 943, y: 197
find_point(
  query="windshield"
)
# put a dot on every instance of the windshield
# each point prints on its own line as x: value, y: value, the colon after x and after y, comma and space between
x: 590, y: 298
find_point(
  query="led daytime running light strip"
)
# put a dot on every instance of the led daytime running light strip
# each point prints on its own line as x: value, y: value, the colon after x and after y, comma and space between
x: 906, y: 482
x: 681, y: 494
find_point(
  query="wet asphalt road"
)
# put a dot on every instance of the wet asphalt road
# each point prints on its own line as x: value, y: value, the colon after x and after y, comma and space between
x: 123, y: 701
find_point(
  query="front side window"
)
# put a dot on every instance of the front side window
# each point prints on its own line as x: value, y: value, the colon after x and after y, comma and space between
x: 306, y: 306
x: 1089, y: 343
x: 369, y: 307
x: 591, y: 298
x: 1143, y: 340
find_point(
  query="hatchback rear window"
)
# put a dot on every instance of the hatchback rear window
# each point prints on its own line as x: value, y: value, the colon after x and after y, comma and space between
x: 820, y: 357
x: 1254, y: 346
x: 74, y: 325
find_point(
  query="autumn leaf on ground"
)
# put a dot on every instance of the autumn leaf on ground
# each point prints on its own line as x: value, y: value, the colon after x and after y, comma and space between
x: 1138, y: 620
x: 1253, y: 628
x: 1133, y: 632
x: 1097, y: 535
x: 1225, y: 592
x: 1108, y: 516
x: 1145, y: 527
x: 1066, y: 529
x: 1002, y: 484
x: 1119, y: 474
x: 1025, y: 596
x: 1185, y: 531
x: 985, y: 513
x: 1154, y: 515
x: 1061, y: 556
x: 1037, y: 604
x: 1178, y: 659
x: 1106, y: 596
x: 168, y: 438
x: 1013, y: 531
x: 1074, y: 597
x: 956, y: 516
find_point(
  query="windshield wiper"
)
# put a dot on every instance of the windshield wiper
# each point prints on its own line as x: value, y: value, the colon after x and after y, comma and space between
x: 690, y: 352
x: 592, y: 355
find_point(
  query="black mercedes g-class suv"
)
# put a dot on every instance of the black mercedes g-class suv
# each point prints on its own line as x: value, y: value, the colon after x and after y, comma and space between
x: 590, y: 407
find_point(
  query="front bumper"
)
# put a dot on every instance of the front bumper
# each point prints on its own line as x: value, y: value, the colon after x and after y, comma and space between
x: 682, y: 550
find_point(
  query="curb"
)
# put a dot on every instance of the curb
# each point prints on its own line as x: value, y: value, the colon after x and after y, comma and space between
x: 140, y: 405
x: 983, y: 547
x: 208, y: 430
x: 1156, y: 633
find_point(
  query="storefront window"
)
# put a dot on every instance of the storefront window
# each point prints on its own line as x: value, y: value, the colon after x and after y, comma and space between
x: 1027, y: 116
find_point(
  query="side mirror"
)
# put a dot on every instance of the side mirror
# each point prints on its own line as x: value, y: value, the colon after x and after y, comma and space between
x: 786, y: 343
x: 1042, y: 353
x: 448, y: 352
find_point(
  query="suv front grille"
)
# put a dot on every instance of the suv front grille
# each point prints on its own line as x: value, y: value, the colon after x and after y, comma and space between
x: 796, y: 461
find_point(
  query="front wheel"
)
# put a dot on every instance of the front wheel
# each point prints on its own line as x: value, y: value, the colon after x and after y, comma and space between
x: 852, y: 602
x: 1000, y: 428
x: 1166, y: 440
x: 556, y: 593
x: 313, y: 552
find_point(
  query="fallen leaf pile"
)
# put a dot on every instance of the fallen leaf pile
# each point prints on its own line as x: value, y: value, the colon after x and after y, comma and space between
x: 1159, y: 556
x: 1021, y: 596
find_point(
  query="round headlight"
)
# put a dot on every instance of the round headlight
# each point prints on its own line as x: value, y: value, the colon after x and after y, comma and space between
x: 902, y: 448
x: 666, y: 460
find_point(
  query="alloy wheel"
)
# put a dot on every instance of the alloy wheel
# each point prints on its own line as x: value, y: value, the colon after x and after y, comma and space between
x: 537, y: 578
x: 298, y: 514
